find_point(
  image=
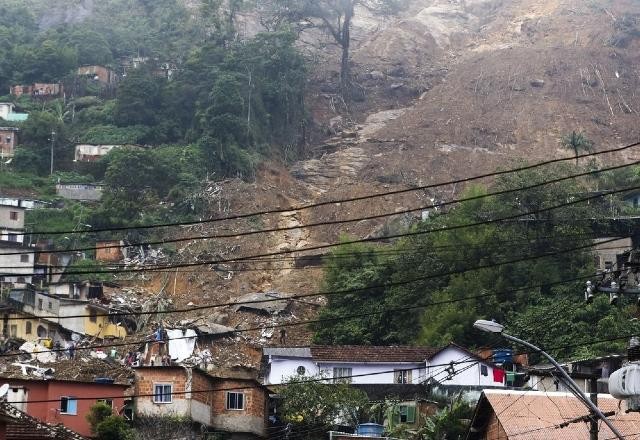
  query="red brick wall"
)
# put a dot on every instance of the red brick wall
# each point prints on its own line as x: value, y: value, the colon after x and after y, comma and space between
x: 147, y: 377
x: 201, y: 382
x: 255, y: 397
x: 494, y: 430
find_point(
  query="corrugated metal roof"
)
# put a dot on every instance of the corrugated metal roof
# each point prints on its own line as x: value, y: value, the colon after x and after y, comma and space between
x: 534, y: 415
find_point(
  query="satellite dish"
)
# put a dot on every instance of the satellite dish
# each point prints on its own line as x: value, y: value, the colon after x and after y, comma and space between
x: 4, y: 389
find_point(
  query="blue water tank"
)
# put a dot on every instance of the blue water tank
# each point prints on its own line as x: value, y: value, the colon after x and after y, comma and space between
x: 372, y: 429
x: 502, y: 355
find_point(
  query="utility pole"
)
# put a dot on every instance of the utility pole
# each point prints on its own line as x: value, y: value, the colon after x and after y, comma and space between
x: 593, y: 396
x: 53, y: 141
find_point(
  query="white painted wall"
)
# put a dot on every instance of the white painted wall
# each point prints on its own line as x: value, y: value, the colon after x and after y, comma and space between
x: 466, y: 373
x: 5, y: 217
x: 177, y: 408
x: 283, y: 367
x: 13, y: 264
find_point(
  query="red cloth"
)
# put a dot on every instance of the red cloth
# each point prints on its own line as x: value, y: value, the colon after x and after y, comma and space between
x: 498, y: 375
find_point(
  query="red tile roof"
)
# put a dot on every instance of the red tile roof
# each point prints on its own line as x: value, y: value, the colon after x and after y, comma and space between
x: 21, y: 426
x: 363, y: 353
x: 535, y: 415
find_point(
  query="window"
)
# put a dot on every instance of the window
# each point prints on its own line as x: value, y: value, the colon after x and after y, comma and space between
x: 162, y: 393
x: 13, y: 331
x: 107, y: 402
x: 235, y: 401
x: 50, y: 305
x: 402, y: 376
x: 93, y: 317
x: 484, y: 370
x: 301, y: 370
x: 341, y: 372
x: 13, y: 215
x: 68, y: 405
x: 407, y: 414
x: 40, y: 304
x: 24, y: 258
x: 12, y: 237
x: 27, y: 327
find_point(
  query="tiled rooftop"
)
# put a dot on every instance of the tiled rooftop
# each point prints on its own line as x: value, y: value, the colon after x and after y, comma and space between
x: 359, y: 353
x: 534, y: 415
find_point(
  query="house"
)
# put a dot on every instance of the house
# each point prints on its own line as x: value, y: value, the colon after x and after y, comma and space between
x: 12, y: 223
x: 86, y: 290
x: 8, y: 141
x: 17, y: 324
x: 632, y: 198
x: 100, y: 74
x: 75, y: 316
x: 24, y: 203
x: 8, y: 114
x: 231, y: 404
x: 587, y: 373
x: 16, y: 260
x: 38, y: 90
x: 465, y: 368
x: 18, y: 425
x: 449, y: 366
x: 84, y: 192
x: 92, y: 153
x: 606, y: 253
x: 535, y: 415
x: 63, y: 401
x: 109, y: 251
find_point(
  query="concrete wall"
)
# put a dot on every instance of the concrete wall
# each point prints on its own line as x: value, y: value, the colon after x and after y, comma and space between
x: 375, y: 373
x: 5, y: 217
x: 38, y: 390
x: 79, y: 191
x: 465, y: 373
x: 282, y: 368
x: 14, y: 266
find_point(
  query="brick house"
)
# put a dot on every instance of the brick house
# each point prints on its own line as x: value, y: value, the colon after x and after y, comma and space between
x: 8, y: 141
x: 536, y: 415
x: 234, y: 406
x: 109, y: 251
x: 101, y: 74
x: 64, y: 402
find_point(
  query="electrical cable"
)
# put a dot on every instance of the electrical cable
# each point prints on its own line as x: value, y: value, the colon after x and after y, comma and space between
x: 353, y: 220
x: 346, y: 291
x: 351, y: 199
x: 363, y: 240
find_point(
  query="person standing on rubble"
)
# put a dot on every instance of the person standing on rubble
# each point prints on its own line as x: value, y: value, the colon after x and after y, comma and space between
x: 72, y: 350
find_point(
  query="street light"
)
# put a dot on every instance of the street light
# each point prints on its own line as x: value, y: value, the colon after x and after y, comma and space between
x: 494, y: 327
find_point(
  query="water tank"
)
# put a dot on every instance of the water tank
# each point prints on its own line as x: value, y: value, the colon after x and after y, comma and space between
x: 625, y: 382
x: 371, y: 429
x: 502, y: 355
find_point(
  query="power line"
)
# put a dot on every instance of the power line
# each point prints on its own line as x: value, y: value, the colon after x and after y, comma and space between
x: 345, y: 200
x: 363, y: 240
x: 344, y: 291
x: 335, y: 222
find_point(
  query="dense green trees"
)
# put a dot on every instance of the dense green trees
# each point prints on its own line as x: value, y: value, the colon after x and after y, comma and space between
x: 424, y: 267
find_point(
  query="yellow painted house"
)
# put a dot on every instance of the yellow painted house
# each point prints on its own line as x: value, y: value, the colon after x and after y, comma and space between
x: 37, y: 315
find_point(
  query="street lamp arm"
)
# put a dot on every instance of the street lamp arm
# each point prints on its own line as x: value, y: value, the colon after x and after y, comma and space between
x: 573, y: 387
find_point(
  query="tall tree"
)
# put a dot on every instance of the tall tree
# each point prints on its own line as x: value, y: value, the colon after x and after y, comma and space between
x: 334, y: 17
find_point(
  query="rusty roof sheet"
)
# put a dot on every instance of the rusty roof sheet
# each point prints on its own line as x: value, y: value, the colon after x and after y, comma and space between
x: 534, y: 415
x: 371, y: 354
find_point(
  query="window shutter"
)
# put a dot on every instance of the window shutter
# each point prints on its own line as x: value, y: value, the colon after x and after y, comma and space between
x: 411, y: 414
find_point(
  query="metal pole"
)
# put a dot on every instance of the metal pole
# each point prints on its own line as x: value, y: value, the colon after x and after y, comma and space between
x: 573, y: 387
x: 593, y: 395
x: 53, y: 140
